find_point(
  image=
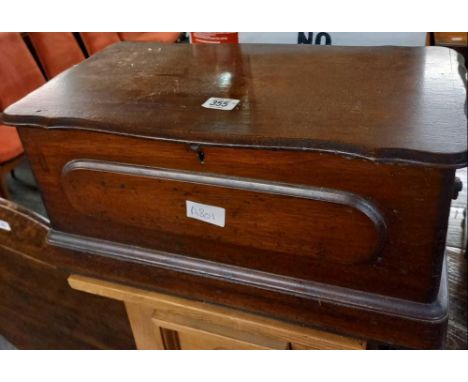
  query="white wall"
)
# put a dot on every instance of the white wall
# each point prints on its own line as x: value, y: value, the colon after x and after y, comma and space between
x: 339, y: 38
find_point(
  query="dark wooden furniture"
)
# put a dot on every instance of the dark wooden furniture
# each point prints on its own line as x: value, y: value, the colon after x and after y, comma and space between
x: 454, y: 40
x: 38, y: 310
x: 335, y: 171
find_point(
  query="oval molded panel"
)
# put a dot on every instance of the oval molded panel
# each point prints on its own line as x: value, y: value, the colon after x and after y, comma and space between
x: 293, y: 221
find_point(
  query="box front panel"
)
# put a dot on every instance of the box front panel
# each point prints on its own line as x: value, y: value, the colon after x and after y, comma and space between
x: 208, y: 213
x: 320, y: 217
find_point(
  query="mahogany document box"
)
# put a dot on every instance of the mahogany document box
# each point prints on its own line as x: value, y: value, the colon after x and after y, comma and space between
x: 312, y: 184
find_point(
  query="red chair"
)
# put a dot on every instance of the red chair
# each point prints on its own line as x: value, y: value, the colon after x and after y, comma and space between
x: 57, y: 51
x: 96, y: 41
x: 19, y: 75
x: 150, y: 36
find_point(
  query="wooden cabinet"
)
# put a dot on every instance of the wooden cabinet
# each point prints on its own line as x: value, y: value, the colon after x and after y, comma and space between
x: 162, y: 321
x: 451, y: 39
x: 454, y: 40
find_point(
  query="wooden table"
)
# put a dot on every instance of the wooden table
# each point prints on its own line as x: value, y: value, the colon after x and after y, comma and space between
x: 161, y: 321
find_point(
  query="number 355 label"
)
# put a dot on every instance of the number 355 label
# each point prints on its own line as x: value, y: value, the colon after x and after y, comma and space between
x: 221, y: 103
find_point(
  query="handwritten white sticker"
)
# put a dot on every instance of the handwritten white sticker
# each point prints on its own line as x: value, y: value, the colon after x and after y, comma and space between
x: 221, y: 103
x: 5, y: 225
x: 206, y: 213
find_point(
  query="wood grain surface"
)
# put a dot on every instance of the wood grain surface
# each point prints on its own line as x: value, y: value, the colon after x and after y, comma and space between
x: 385, y: 103
x: 202, y: 326
x: 399, y: 254
x: 386, y: 124
x: 457, y: 336
x: 377, y: 327
x: 38, y: 310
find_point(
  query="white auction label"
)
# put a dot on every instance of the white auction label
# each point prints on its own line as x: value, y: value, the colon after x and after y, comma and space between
x: 206, y: 213
x: 5, y: 225
x: 221, y: 103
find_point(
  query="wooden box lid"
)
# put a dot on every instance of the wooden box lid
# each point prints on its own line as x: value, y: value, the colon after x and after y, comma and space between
x: 381, y: 103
